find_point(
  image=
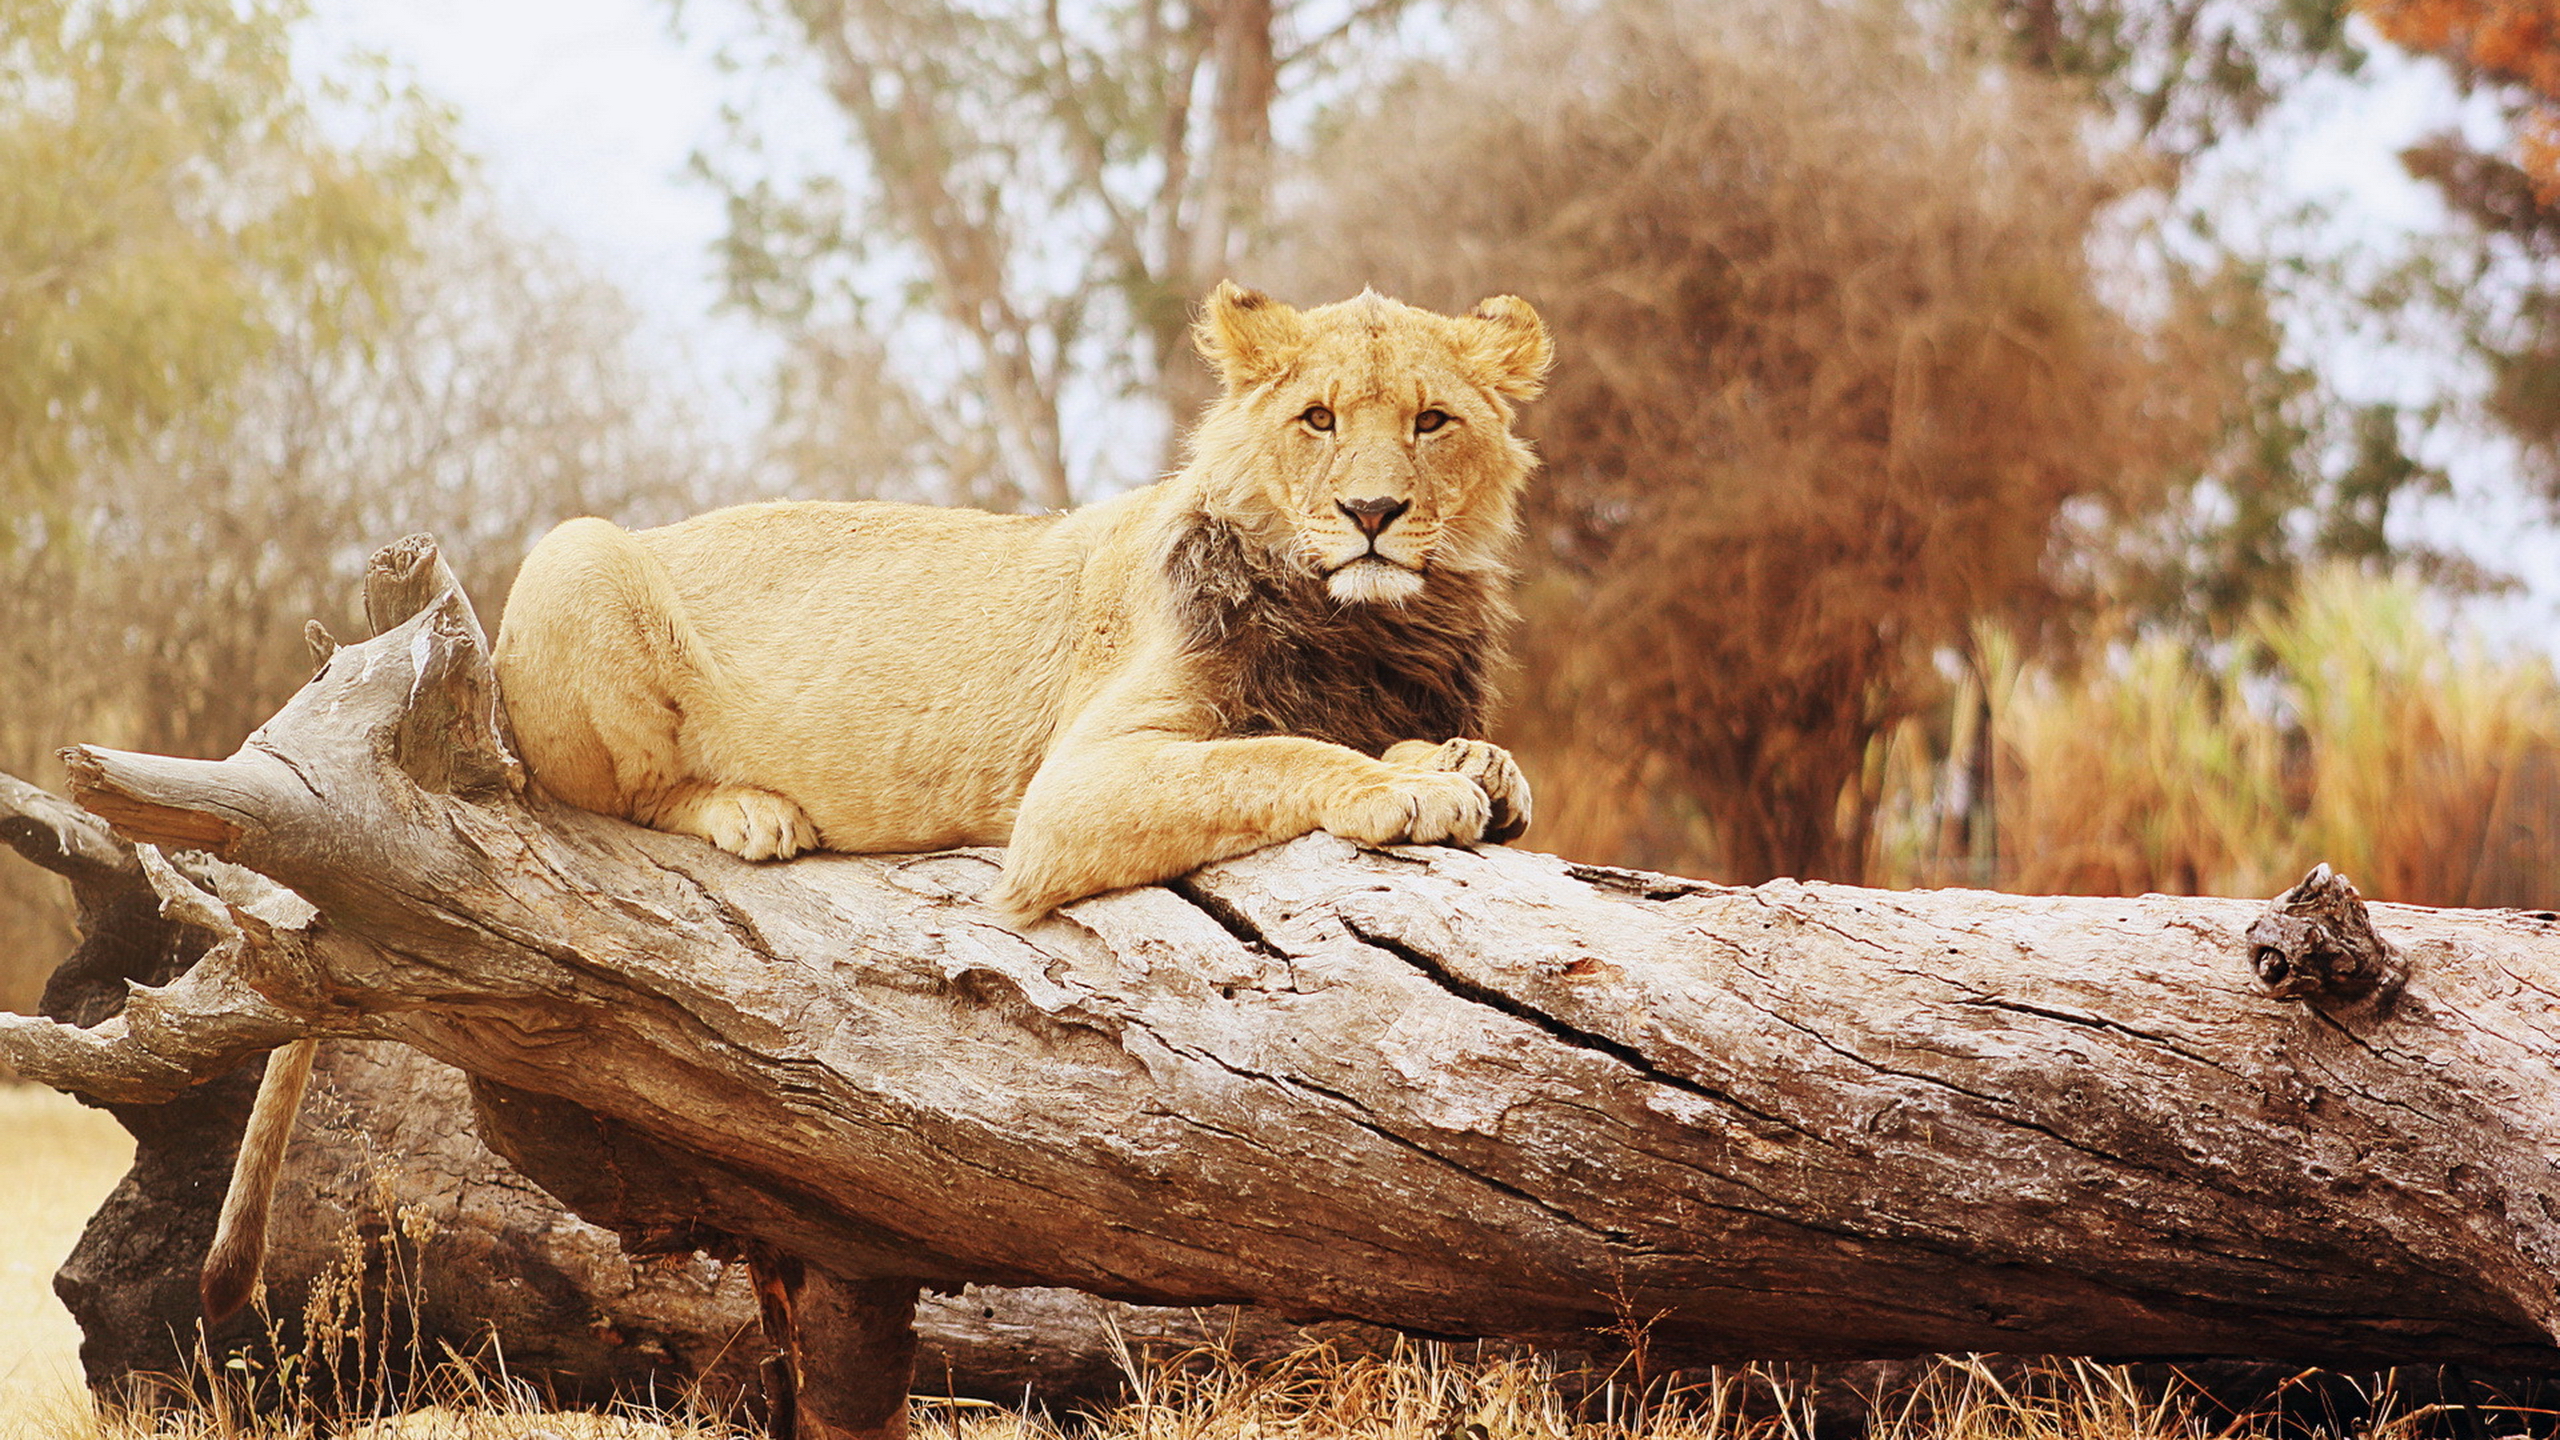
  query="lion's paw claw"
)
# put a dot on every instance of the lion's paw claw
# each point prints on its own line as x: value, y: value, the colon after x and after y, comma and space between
x: 1420, y: 809
x: 755, y: 824
x: 1487, y: 764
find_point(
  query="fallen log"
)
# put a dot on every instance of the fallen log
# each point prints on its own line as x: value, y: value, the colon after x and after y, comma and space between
x: 387, y: 1157
x: 1455, y: 1092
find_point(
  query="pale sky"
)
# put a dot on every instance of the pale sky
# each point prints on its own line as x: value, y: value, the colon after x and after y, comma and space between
x: 583, y: 114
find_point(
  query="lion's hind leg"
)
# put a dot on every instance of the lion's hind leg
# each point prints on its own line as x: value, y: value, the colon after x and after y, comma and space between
x: 590, y: 661
x: 600, y: 667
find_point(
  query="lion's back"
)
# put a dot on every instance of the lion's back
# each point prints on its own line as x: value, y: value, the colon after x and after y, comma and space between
x: 893, y: 668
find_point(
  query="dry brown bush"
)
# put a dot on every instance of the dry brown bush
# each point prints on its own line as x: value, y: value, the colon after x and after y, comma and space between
x: 1834, y: 381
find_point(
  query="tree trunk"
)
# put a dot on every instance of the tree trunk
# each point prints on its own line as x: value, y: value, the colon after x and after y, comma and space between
x: 1455, y: 1092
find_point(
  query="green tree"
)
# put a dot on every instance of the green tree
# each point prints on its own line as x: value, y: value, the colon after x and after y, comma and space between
x: 2302, y: 473
x: 174, y: 203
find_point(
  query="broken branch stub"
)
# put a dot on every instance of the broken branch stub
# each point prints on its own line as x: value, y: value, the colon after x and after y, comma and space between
x: 452, y: 740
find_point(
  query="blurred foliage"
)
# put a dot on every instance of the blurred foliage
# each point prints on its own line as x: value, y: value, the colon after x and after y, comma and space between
x: 175, y: 201
x: 160, y: 605
x: 2302, y: 473
x: 237, y: 353
x: 1028, y: 201
x: 2185, y: 74
x: 1837, y: 383
x: 2296, y: 476
x: 2512, y: 44
x: 2503, y: 287
x: 2355, y: 724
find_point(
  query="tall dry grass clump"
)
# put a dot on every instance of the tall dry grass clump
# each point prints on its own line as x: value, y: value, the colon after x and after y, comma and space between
x: 1835, y: 382
x: 2145, y: 772
x: 2430, y: 768
x: 2355, y: 725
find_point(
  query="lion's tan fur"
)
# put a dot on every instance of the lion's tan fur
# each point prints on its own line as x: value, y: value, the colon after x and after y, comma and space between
x: 873, y: 677
x: 878, y: 677
x: 239, y: 1247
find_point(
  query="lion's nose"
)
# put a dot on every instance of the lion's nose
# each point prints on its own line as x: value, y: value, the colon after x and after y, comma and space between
x: 1375, y: 515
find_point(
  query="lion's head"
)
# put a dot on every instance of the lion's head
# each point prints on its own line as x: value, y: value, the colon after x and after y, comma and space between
x: 1369, y: 441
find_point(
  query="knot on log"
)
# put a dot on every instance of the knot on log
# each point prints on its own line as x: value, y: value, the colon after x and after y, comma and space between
x: 2316, y: 942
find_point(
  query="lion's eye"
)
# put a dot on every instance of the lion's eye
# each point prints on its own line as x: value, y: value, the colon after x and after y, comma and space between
x: 1429, y: 420
x: 1318, y: 418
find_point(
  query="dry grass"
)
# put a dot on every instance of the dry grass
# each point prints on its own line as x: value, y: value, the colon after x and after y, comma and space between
x: 2432, y: 769
x: 58, y: 1159
x: 2355, y: 726
x: 1425, y: 1392
x: 2143, y: 775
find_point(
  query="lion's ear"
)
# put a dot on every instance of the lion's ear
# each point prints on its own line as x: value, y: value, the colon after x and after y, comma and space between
x: 1247, y: 334
x: 1510, y: 348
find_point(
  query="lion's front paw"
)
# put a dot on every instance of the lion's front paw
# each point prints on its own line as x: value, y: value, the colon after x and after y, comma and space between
x: 1487, y: 764
x: 1425, y: 809
x: 753, y: 824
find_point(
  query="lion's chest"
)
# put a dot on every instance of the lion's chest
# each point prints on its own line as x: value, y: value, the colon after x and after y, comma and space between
x: 1278, y: 656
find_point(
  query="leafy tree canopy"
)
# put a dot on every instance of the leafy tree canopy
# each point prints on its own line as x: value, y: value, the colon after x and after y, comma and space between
x: 177, y: 195
x: 2504, y: 290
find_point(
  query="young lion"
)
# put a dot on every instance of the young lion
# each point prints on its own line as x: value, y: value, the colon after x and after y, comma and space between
x: 1293, y: 633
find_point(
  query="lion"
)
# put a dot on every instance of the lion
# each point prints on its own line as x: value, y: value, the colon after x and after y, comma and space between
x: 1297, y: 631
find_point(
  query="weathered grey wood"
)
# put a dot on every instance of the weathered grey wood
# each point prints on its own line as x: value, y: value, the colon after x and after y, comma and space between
x: 390, y: 1133
x: 1463, y: 1093
x: 452, y: 738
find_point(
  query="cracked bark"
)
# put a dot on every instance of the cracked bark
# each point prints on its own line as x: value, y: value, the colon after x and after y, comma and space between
x: 1460, y: 1093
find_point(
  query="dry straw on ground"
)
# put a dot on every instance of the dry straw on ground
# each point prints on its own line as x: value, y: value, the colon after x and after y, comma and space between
x: 1435, y: 1393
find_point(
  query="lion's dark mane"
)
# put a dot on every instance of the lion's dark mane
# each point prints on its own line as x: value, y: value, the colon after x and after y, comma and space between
x: 1280, y: 656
